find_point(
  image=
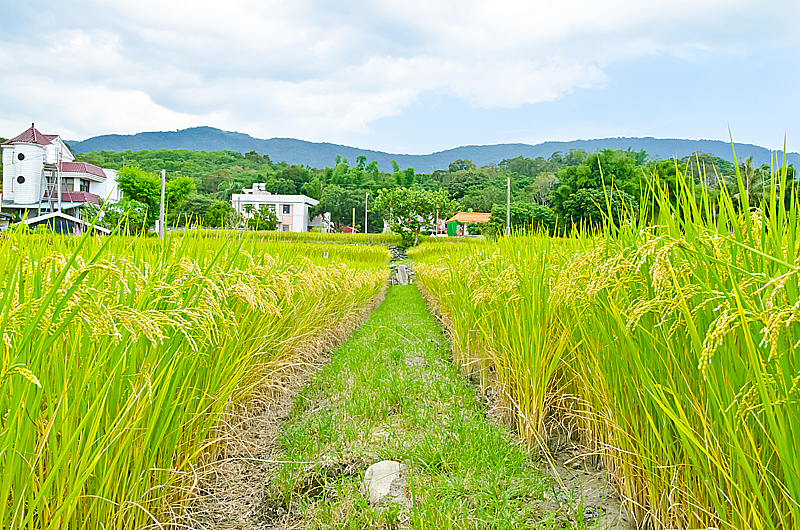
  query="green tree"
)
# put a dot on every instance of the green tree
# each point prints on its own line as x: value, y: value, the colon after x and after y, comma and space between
x: 461, y: 165
x: 256, y: 158
x: 706, y: 167
x: 263, y: 219
x: 575, y: 157
x: 143, y: 187
x: 225, y: 190
x: 211, y: 182
x: 127, y: 216
x: 296, y: 174
x: 461, y: 182
x: 339, y: 202
x: 542, y: 189
x: 581, y: 196
x: 640, y: 156
x: 590, y: 205
x: 409, y: 210
x: 524, y: 216
x: 312, y: 189
x: 529, y: 167
x: 193, y: 209
x: 220, y: 214
x: 372, y: 167
x: 481, y: 199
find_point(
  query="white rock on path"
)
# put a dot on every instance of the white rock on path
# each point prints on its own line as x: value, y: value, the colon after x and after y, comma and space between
x: 385, y: 481
x: 402, y: 275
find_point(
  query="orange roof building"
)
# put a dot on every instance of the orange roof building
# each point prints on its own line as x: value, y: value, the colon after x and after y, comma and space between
x: 470, y: 217
x: 457, y: 225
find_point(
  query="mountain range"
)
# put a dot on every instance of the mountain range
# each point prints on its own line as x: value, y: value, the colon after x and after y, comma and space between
x: 324, y: 154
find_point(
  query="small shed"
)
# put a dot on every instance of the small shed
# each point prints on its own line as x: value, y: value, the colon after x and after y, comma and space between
x: 62, y: 223
x: 458, y: 224
x: 5, y: 220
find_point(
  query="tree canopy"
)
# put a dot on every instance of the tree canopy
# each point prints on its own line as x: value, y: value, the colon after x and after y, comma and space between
x: 409, y: 210
x: 575, y: 188
x: 144, y: 187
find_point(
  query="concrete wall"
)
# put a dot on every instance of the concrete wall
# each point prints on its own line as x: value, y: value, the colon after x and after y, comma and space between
x: 297, y: 218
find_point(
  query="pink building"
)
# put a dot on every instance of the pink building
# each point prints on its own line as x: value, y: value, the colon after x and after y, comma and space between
x: 293, y: 211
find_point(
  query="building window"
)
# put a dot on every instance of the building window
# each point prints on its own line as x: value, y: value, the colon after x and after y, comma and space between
x: 85, y: 185
x: 285, y: 228
x: 271, y: 207
x: 287, y: 208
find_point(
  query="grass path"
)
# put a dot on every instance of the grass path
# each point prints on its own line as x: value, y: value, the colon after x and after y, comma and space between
x: 391, y: 393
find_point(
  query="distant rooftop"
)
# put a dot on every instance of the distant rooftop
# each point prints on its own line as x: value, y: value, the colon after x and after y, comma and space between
x: 470, y: 217
x: 33, y: 136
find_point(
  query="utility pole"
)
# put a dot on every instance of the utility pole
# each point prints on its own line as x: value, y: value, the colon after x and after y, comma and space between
x: 161, y: 212
x: 508, y: 208
x: 365, y: 211
x: 58, y: 178
x: 353, y: 226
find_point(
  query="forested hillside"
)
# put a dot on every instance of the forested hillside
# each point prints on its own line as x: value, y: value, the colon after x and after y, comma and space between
x: 553, y: 192
x: 320, y: 154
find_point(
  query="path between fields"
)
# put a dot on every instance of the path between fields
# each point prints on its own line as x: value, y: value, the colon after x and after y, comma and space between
x: 390, y: 392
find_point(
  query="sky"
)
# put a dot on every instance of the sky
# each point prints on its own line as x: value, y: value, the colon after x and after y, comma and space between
x: 405, y: 76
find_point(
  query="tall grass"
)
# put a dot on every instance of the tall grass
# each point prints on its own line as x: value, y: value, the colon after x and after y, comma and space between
x: 120, y: 354
x: 668, y: 347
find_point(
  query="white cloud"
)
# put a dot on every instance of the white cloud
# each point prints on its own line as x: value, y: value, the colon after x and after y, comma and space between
x: 318, y: 69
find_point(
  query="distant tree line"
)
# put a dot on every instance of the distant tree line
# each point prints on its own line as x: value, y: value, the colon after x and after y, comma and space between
x: 569, y: 189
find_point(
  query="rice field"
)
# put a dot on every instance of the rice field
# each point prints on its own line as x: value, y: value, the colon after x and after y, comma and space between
x: 667, y: 345
x: 313, y: 237
x: 121, y: 355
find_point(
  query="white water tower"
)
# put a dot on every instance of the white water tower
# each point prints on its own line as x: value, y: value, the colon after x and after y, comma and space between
x: 52, y: 154
x: 28, y: 166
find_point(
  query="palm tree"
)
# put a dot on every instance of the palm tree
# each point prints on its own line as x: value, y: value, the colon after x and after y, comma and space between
x: 756, y: 181
x: 226, y: 189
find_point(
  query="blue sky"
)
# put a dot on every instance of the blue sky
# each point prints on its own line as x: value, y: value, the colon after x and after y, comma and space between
x: 406, y: 76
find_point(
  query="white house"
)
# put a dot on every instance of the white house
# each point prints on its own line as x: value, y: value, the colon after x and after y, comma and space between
x: 292, y: 210
x: 40, y: 177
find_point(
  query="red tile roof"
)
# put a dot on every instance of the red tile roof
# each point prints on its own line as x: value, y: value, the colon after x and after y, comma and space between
x: 82, y: 167
x: 76, y: 196
x: 32, y: 136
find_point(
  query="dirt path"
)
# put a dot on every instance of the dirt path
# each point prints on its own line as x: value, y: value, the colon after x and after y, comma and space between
x: 390, y: 392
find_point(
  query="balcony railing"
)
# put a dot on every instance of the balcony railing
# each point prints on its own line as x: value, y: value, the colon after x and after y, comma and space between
x: 75, y: 196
